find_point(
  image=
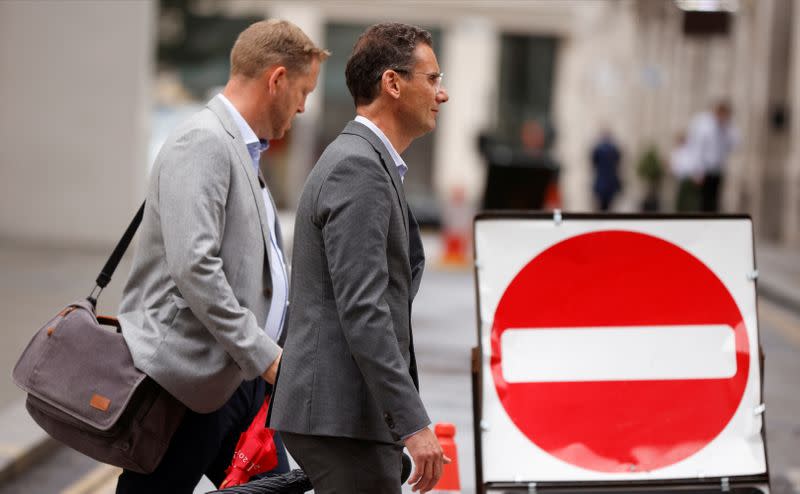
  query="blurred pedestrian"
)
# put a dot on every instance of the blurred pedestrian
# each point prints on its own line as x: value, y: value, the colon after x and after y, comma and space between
x: 347, y: 399
x: 650, y: 169
x: 606, y: 157
x: 204, y: 307
x: 688, y: 173
x: 711, y: 138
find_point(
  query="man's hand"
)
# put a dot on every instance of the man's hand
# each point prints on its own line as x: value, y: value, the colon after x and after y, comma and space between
x: 272, y: 371
x: 428, y: 460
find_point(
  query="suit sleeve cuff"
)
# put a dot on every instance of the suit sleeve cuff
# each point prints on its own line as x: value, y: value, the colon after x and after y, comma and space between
x: 261, y: 358
x: 403, y: 438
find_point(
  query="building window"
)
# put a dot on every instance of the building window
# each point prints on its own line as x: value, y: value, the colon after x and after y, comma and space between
x: 527, y: 64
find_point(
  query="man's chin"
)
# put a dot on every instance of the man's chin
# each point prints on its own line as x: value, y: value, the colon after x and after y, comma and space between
x: 284, y: 131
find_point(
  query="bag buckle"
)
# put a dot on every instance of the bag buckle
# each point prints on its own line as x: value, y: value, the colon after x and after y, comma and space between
x: 92, y: 298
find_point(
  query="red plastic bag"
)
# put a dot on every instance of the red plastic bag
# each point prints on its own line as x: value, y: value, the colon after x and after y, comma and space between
x: 255, y: 452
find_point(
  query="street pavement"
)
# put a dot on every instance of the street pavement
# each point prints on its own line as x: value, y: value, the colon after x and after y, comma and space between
x: 37, y: 281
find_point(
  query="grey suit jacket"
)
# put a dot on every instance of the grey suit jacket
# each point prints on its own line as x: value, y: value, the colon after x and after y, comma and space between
x: 348, y: 368
x: 195, y: 305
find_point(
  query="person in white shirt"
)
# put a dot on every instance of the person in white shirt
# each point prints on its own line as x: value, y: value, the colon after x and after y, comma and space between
x: 347, y: 400
x: 205, y: 305
x: 688, y: 173
x: 711, y: 139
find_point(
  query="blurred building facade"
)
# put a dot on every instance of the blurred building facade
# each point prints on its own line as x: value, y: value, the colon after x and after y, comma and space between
x: 74, y: 133
x: 76, y: 82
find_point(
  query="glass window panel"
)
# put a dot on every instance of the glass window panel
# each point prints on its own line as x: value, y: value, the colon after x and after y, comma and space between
x: 527, y: 64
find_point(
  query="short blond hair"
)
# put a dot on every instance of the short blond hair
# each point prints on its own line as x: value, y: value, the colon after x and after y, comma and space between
x: 273, y: 42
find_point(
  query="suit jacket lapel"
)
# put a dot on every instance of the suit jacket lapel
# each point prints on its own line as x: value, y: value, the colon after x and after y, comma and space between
x: 363, y: 131
x: 278, y: 234
x: 416, y: 254
x: 246, y: 162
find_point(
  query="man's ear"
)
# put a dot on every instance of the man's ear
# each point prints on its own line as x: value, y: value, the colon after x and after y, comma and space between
x: 275, y: 77
x: 390, y: 83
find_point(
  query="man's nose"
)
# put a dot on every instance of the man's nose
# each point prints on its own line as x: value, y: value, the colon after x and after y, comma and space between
x: 442, y: 96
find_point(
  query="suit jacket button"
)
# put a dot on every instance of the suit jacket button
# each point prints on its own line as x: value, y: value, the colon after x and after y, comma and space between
x: 389, y: 420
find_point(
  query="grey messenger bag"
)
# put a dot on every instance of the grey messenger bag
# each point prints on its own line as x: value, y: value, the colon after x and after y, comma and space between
x: 84, y: 390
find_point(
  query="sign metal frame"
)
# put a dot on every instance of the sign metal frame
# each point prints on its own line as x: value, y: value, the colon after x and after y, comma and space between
x: 743, y: 483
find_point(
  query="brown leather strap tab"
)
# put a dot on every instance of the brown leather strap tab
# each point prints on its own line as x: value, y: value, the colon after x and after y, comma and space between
x: 100, y: 402
x: 109, y: 321
x: 66, y: 310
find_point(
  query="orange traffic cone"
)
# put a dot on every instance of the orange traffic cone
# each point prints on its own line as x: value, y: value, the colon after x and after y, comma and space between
x: 552, y: 196
x: 456, y: 227
x: 449, y: 481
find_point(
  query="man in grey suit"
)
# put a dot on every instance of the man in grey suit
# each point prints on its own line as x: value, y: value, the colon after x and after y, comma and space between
x: 348, y: 397
x: 205, y: 303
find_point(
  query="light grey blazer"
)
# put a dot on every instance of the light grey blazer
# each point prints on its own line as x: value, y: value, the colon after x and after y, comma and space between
x: 195, y: 304
x: 348, y: 365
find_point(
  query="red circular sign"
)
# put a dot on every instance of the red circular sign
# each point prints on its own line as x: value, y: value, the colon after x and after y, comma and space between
x: 619, y: 278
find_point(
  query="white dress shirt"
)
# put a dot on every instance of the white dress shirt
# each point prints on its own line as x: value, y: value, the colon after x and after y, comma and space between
x: 277, y: 265
x: 710, y: 142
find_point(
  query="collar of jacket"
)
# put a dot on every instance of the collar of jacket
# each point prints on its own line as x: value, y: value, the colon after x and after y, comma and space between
x: 361, y: 130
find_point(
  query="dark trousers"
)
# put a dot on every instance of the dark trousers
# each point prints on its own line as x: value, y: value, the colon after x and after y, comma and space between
x: 709, y: 192
x: 340, y: 465
x: 604, y: 201
x: 203, y: 445
x: 688, y: 196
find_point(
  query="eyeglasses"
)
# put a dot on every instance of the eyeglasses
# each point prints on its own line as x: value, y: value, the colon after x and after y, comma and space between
x: 434, y: 78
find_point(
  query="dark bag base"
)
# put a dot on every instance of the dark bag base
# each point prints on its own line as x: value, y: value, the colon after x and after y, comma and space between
x: 137, y: 441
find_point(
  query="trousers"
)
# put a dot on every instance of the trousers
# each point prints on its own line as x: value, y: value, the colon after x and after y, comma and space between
x: 341, y: 465
x: 204, y: 444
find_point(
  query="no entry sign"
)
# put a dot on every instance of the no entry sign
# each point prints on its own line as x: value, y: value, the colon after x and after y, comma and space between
x: 618, y: 349
x: 615, y: 315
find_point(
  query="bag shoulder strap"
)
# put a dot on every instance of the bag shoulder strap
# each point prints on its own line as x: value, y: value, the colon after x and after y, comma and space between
x: 113, y: 261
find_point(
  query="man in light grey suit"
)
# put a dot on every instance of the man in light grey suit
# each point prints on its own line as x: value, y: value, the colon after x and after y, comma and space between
x: 348, y: 396
x: 205, y: 303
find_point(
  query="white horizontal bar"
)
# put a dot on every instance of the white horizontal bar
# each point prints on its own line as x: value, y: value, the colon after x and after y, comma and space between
x: 623, y: 353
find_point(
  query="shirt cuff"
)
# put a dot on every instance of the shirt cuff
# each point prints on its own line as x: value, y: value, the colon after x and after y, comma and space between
x: 403, y: 438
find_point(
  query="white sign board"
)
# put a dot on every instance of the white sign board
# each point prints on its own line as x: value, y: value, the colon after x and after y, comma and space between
x: 618, y: 348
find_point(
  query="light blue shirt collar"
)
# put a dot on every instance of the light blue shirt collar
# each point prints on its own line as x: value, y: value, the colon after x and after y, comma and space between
x: 255, y: 146
x: 402, y: 168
